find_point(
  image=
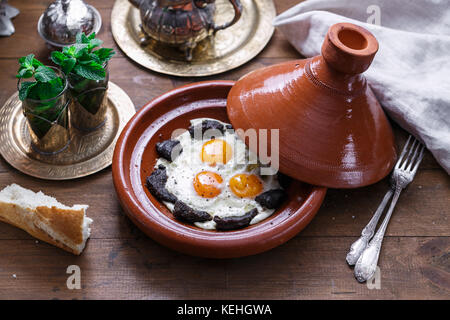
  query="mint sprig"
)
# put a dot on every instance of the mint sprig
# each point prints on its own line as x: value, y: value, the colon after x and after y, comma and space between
x: 25, y: 88
x: 82, y: 59
x: 47, y: 84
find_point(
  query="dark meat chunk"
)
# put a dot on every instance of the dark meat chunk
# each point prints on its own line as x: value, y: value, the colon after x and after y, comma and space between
x: 206, y: 125
x: 271, y: 199
x: 183, y: 212
x: 169, y: 149
x: 235, y: 222
x: 156, y: 184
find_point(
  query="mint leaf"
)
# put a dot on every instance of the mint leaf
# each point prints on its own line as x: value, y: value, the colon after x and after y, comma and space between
x: 82, y: 60
x: 85, y: 62
x: 90, y: 41
x: 36, y: 63
x: 26, y: 69
x: 25, y: 89
x: 48, y: 90
x: 44, y: 74
x: 95, y: 58
x: 34, y: 93
x: 24, y: 73
x: 53, y: 88
x: 69, y: 51
x: 104, y: 54
x: 58, y: 57
x: 80, y: 49
x: 57, y: 85
x: 84, y: 57
x: 28, y: 62
x: 45, y: 91
x: 94, y: 43
x: 75, y: 50
x: 93, y: 71
x: 68, y: 64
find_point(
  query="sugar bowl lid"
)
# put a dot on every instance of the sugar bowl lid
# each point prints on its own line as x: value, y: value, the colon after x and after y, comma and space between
x: 63, y: 19
x: 319, y: 114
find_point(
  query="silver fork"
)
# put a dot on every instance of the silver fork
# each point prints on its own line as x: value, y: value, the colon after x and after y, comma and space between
x: 359, y: 245
x: 367, y: 233
x: 404, y: 171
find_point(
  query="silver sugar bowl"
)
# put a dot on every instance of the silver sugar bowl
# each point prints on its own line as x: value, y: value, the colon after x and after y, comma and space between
x: 63, y: 19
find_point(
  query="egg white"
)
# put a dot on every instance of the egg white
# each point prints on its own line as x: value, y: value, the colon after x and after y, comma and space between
x: 182, y: 170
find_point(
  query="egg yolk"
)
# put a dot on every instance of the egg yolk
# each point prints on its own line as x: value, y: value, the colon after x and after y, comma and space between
x: 216, y: 151
x: 245, y: 185
x: 207, y: 184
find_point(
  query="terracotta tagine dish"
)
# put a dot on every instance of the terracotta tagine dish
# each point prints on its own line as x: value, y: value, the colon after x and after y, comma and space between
x: 332, y: 130
x: 134, y: 160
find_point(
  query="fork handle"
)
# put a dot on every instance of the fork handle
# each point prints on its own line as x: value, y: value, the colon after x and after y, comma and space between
x: 359, y: 245
x: 367, y: 263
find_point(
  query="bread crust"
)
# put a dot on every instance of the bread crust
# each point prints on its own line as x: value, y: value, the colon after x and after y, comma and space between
x: 65, y: 222
x: 68, y: 222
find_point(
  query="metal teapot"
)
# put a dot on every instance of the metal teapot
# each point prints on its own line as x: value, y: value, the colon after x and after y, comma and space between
x: 181, y: 23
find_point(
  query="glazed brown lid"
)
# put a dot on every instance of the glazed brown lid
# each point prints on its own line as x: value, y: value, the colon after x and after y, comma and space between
x: 332, y: 130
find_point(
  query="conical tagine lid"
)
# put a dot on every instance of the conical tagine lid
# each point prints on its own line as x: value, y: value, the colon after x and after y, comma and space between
x: 332, y: 130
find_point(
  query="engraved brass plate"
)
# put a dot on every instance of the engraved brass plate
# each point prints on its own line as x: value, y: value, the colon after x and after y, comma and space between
x: 87, y: 153
x: 228, y: 49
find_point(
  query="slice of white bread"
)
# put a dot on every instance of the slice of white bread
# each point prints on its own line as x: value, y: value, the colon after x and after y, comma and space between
x: 45, y: 218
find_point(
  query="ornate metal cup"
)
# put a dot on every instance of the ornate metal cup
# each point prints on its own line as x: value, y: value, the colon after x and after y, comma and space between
x: 48, y: 120
x: 88, y: 104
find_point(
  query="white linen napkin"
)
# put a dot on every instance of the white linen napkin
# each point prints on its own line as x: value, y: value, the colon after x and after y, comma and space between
x: 410, y: 74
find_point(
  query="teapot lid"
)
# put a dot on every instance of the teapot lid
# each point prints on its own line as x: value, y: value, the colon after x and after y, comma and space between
x: 318, y: 114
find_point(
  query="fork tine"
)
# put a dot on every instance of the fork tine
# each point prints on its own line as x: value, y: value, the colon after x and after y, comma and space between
x: 419, y: 160
x: 413, y: 157
x: 405, y: 148
x: 408, y: 156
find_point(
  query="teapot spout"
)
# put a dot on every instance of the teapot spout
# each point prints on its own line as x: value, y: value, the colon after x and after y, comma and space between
x: 136, y: 3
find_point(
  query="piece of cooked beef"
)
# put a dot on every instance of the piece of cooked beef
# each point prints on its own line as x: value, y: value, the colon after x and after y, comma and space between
x: 235, y: 222
x: 156, y: 184
x: 183, y: 212
x: 206, y: 125
x: 271, y: 199
x: 169, y: 149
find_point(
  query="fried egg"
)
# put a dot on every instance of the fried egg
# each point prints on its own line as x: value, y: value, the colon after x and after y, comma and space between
x: 219, y: 175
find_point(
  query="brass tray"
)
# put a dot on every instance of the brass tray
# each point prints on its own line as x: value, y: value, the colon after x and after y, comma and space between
x: 229, y: 49
x: 87, y: 153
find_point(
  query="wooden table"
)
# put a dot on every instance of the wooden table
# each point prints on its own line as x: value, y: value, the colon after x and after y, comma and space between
x: 120, y: 262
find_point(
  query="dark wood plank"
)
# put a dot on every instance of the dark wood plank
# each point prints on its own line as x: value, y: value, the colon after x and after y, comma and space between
x: 422, y: 208
x: 304, y: 268
x: 421, y: 211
